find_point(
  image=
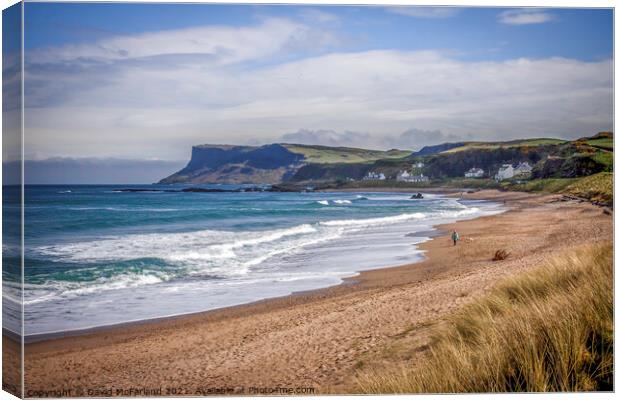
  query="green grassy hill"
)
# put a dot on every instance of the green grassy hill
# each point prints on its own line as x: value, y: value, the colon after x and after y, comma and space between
x: 513, y: 143
x: 555, y: 162
x: 602, y: 140
x: 605, y: 144
x: 334, y: 155
x: 551, y: 158
x: 597, y: 187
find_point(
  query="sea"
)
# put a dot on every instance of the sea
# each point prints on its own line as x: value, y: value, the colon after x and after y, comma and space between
x: 96, y: 256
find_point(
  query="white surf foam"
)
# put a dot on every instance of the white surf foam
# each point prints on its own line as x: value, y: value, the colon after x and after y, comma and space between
x: 224, y: 254
x: 337, y: 201
x: 374, y: 221
x: 52, y: 290
x: 209, y: 269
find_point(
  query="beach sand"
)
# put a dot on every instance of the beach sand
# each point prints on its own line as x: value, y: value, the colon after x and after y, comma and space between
x: 320, y: 339
x: 11, y: 364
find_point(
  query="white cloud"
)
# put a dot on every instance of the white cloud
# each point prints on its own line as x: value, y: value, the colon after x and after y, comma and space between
x: 525, y: 16
x: 425, y: 12
x: 329, y: 137
x: 215, y: 44
x: 162, y: 107
x: 315, y: 15
x: 415, y: 138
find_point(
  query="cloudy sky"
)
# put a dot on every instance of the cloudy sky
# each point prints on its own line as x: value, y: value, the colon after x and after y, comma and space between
x: 148, y: 81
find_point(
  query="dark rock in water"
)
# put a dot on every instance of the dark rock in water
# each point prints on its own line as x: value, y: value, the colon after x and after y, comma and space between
x: 137, y: 190
x: 274, y: 188
x: 186, y: 190
x: 417, y: 196
x: 209, y: 190
x: 203, y: 190
x: 285, y: 188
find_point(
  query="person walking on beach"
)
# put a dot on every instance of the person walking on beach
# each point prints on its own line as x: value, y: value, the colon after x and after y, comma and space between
x: 455, y: 237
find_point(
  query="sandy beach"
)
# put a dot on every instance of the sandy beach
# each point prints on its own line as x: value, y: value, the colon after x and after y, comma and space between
x: 317, y: 342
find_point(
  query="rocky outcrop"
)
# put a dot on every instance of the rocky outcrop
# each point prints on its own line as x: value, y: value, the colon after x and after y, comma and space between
x: 267, y: 164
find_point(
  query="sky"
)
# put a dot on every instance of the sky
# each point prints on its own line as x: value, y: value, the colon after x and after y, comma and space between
x: 148, y: 81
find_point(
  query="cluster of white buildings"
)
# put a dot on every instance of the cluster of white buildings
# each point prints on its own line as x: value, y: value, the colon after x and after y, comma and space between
x: 523, y: 168
x: 474, y: 173
x: 404, y: 176
x: 414, y: 175
x: 507, y: 171
x: 374, y: 176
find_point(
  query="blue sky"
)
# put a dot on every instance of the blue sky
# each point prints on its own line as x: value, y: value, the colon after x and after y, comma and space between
x: 148, y: 81
x: 472, y: 33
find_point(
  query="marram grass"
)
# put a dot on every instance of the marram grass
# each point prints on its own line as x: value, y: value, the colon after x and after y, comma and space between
x: 547, y: 330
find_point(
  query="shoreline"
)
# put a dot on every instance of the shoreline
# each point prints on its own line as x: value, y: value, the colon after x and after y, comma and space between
x: 435, y: 231
x: 412, y: 190
x: 324, y: 333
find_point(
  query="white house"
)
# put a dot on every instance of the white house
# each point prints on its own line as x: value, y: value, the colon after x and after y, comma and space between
x: 374, y: 176
x: 404, y: 176
x: 523, y: 168
x: 419, y: 164
x: 505, y: 172
x: 418, y: 178
x: 474, y: 173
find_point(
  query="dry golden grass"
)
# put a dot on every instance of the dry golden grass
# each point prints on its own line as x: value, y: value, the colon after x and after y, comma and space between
x: 550, y: 329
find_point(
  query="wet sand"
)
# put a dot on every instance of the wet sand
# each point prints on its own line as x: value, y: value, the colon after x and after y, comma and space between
x: 323, y: 338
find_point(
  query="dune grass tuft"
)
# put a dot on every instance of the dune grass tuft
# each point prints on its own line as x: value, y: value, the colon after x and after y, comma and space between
x: 550, y: 329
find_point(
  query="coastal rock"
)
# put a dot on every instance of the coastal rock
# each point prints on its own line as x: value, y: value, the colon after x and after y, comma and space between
x: 237, y: 164
x: 250, y: 189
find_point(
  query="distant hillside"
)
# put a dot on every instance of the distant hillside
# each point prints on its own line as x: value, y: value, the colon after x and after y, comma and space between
x: 303, y: 164
x: 438, y: 148
x: 551, y: 158
x: 330, y: 155
x: 506, y: 145
x: 602, y: 140
x: 464, y: 146
x: 237, y: 164
x: 269, y: 164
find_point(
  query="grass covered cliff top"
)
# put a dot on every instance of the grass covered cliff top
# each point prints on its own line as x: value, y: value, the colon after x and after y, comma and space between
x: 513, y: 143
x: 330, y: 155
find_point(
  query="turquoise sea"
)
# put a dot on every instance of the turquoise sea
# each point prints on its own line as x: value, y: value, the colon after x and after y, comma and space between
x: 95, y: 256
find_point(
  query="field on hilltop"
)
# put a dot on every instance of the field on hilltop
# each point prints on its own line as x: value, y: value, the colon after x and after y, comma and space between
x: 513, y: 143
x: 602, y: 140
x: 331, y: 155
